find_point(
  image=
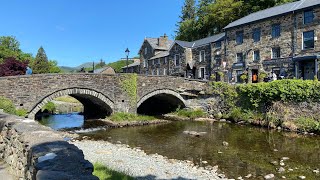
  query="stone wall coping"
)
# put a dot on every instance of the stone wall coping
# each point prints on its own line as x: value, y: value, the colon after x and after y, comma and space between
x: 34, y: 151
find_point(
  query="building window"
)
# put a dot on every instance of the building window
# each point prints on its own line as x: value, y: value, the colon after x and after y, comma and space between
x: 218, y: 60
x: 165, y: 60
x: 156, y: 61
x: 276, y: 30
x: 308, y: 40
x: 256, y: 55
x: 177, y: 60
x: 164, y: 71
x: 308, y: 16
x: 202, y: 56
x: 202, y: 72
x: 239, y: 37
x: 218, y: 44
x: 239, y: 73
x: 276, y: 53
x: 145, y: 51
x: 158, y: 72
x: 239, y: 57
x: 256, y: 34
x: 152, y: 72
x: 145, y: 63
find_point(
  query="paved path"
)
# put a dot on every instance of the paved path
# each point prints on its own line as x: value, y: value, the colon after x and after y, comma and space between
x: 4, y: 174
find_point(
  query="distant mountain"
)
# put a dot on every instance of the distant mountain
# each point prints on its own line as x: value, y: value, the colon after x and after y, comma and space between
x: 67, y: 69
x: 86, y: 65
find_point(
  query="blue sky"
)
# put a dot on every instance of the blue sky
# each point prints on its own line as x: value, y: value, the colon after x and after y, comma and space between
x: 77, y: 31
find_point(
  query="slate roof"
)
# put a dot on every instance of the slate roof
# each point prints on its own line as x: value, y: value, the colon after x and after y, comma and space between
x: 201, y: 42
x: 154, y: 43
x: 100, y: 70
x: 131, y: 65
x: 160, y: 54
x: 274, y: 11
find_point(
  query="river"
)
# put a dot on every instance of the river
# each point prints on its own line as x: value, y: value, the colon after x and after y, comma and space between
x: 237, y: 150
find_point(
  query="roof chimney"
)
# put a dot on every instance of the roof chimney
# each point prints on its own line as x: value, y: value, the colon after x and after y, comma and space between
x: 162, y: 41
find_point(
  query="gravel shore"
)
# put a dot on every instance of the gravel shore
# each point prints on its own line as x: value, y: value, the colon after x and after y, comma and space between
x: 136, y: 163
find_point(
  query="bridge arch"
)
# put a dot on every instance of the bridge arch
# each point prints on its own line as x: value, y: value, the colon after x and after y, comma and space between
x: 159, y: 102
x: 93, y: 101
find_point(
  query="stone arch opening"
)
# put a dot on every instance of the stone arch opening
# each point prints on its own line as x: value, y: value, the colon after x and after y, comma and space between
x: 160, y: 102
x: 96, y: 105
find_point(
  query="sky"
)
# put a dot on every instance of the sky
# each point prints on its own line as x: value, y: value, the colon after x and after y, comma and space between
x: 77, y: 31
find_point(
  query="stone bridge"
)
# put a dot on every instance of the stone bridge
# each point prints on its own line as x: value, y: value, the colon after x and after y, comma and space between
x: 101, y: 94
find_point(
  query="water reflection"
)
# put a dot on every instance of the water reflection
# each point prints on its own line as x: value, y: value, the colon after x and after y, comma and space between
x: 250, y: 149
x: 61, y: 121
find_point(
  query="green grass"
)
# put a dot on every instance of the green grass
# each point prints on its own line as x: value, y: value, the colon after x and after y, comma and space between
x: 198, y: 113
x: 121, y: 116
x: 67, y: 99
x: 104, y: 173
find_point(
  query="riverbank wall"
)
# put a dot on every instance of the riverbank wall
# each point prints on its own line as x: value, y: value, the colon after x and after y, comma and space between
x: 36, y: 152
x: 285, y: 104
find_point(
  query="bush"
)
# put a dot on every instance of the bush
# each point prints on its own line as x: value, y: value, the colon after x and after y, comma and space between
x: 7, y: 105
x: 308, y: 124
x: 21, y: 112
x: 190, y: 113
x: 122, y: 116
x: 50, y: 107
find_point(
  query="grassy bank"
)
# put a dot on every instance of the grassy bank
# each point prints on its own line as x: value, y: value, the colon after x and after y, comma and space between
x: 8, y: 107
x: 190, y: 113
x: 289, y: 104
x: 104, y: 173
x: 121, y: 117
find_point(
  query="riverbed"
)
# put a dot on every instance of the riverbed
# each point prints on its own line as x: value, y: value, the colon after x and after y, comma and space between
x: 237, y: 150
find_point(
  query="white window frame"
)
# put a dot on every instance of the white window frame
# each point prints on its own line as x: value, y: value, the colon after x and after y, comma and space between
x: 165, y: 60
x: 164, y: 71
x: 204, y: 74
x: 175, y: 60
x: 202, y: 56
x: 314, y: 39
x: 253, y: 55
x: 272, y: 53
x: 158, y: 73
x: 145, y: 50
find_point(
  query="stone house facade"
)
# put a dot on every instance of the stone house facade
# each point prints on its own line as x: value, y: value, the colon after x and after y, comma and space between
x: 194, y: 59
x: 152, y: 51
x: 282, y: 39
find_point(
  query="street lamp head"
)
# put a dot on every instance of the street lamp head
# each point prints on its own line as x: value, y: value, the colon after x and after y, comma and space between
x: 127, y: 52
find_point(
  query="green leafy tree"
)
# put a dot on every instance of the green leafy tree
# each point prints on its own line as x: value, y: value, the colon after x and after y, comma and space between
x: 41, y: 64
x: 10, y: 48
x: 187, y: 21
x: 53, y: 67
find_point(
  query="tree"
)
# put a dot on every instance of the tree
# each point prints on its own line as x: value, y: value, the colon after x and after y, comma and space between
x: 40, y: 64
x: 187, y: 21
x: 13, y: 67
x: 53, y: 67
x: 10, y: 47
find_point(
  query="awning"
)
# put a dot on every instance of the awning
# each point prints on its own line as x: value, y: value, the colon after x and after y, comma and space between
x: 305, y: 58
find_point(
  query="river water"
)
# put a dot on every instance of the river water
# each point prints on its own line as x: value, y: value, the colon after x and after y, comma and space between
x: 250, y: 150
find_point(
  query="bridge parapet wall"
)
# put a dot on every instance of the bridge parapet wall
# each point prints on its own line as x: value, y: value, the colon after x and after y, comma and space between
x: 25, y: 145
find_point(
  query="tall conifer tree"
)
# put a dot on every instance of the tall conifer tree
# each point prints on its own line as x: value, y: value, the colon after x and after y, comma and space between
x: 41, y: 63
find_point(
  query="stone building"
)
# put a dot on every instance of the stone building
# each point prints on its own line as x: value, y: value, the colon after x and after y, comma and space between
x: 152, y: 51
x: 105, y: 70
x: 133, y: 67
x: 195, y: 59
x: 282, y: 39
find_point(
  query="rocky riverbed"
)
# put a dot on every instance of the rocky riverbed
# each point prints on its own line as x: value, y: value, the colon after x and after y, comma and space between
x: 136, y: 163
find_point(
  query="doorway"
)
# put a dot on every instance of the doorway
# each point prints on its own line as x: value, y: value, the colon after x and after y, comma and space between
x: 255, y: 76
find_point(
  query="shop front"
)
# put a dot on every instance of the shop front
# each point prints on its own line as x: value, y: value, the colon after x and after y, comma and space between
x: 306, y: 67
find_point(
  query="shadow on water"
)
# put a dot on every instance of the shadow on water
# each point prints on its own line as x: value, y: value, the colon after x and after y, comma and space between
x: 250, y: 151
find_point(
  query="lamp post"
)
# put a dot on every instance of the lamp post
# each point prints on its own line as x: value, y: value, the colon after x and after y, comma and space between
x: 127, y: 54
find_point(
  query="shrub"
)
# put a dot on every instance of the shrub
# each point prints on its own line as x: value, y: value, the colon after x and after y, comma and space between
x: 7, y: 105
x: 308, y: 124
x: 50, y: 107
x: 21, y: 112
x: 13, y: 67
x: 190, y: 113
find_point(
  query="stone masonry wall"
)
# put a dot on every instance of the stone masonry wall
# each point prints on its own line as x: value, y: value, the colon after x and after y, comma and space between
x: 301, y: 27
x: 173, y: 69
x: 204, y: 63
x: 36, y: 152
